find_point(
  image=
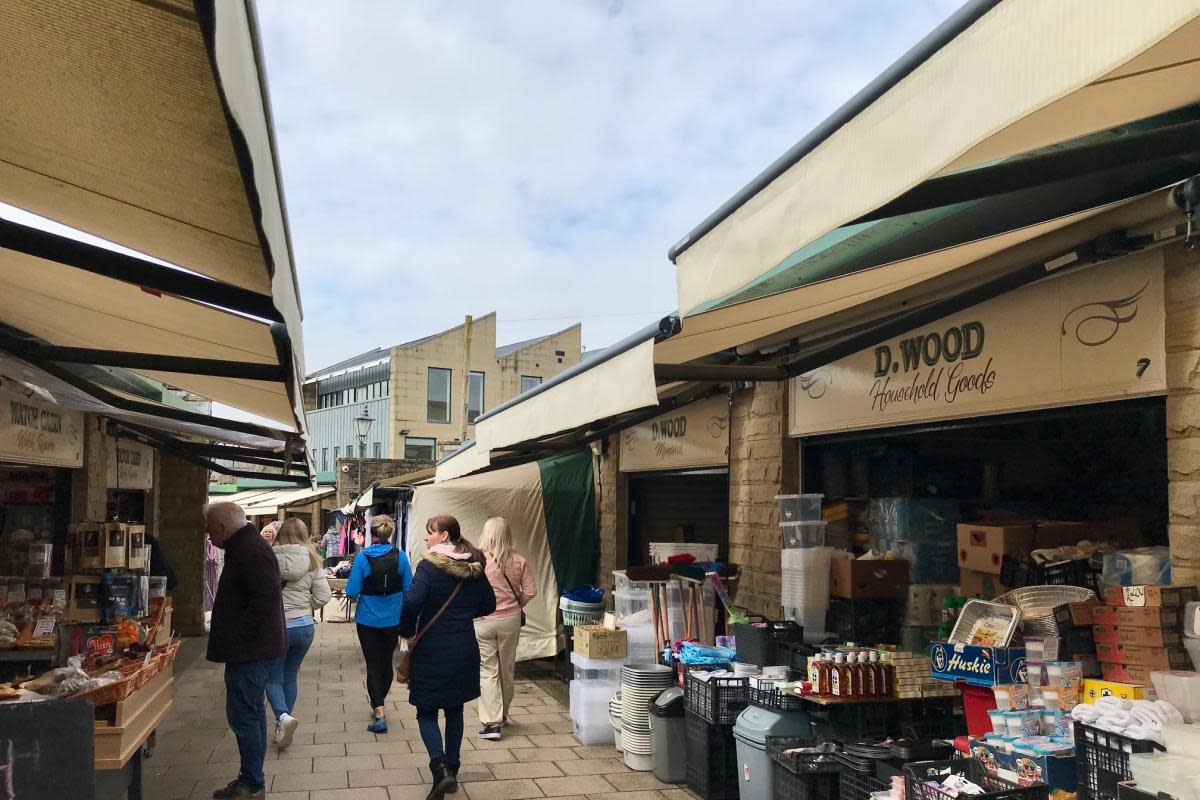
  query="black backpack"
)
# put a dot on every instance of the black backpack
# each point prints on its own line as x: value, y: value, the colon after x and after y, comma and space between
x: 383, y: 579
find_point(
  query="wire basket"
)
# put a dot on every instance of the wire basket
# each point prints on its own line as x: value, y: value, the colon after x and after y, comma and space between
x: 775, y: 699
x: 574, y: 613
x: 921, y: 781
x: 1102, y: 760
x: 718, y: 700
x: 976, y: 610
x: 1037, y: 604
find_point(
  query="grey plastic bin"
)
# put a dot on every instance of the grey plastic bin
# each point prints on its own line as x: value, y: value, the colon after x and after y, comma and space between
x: 754, y: 725
x: 667, y: 726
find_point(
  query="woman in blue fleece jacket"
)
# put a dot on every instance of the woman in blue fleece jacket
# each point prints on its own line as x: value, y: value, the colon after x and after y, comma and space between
x: 378, y: 579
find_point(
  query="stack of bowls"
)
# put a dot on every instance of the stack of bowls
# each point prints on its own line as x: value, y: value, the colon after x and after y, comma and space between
x: 805, y: 585
x: 640, y: 683
x: 614, y: 716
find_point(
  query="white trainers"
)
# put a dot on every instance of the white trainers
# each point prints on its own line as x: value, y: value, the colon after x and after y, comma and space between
x: 287, y: 728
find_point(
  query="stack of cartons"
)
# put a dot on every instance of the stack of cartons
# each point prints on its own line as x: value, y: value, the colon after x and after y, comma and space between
x: 913, y: 678
x: 982, y: 548
x: 1139, y: 630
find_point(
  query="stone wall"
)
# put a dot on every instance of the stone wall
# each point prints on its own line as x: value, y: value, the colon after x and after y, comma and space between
x: 89, y: 485
x: 612, y: 509
x: 1183, y: 411
x: 763, y: 463
x: 373, y: 469
x: 180, y: 492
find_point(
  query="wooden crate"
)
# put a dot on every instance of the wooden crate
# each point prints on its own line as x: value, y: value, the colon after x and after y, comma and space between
x: 135, y: 718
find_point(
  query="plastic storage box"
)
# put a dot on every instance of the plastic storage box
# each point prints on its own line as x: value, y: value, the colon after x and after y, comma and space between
x: 803, y: 534
x: 703, y: 553
x: 799, y: 507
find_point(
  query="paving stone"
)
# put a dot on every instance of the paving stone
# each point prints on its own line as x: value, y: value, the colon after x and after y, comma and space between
x: 574, y: 784
x: 308, y: 782
x: 535, y: 769
x: 603, y: 751
x: 381, y: 747
x: 408, y: 792
x: 627, y: 796
x: 506, y: 743
x: 502, y: 790
x: 336, y: 737
x: 306, y: 751
x: 384, y: 777
x: 545, y: 754
x: 166, y: 788
x: 631, y: 781
x: 347, y: 763
x: 677, y: 794
x: 490, y: 756
x: 372, y: 793
x: 404, y: 761
x: 592, y: 766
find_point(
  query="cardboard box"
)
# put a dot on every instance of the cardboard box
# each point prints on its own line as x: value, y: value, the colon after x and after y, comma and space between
x: 1170, y: 619
x: 1050, y: 533
x: 853, y: 578
x: 1149, y: 596
x: 1094, y: 689
x: 980, y: 585
x: 1076, y: 614
x: 1125, y: 532
x: 1155, y: 657
x: 1137, y: 637
x: 1130, y: 673
x: 983, y: 547
x: 596, y: 641
x: 979, y: 666
x: 1001, y: 760
x: 923, y: 608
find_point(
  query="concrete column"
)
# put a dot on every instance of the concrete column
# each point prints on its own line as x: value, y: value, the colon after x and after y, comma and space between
x: 89, y: 485
x: 763, y: 463
x: 180, y: 492
x: 612, y: 506
x: 1183, y: 411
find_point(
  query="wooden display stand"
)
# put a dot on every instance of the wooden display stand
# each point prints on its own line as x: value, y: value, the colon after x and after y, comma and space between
x: 134, y: 720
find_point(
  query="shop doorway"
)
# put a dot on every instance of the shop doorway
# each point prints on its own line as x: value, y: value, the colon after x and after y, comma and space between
x: 687, y: 506
x: 1097, y: 462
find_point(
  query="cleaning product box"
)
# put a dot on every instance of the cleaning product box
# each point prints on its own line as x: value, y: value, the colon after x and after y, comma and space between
x: 1094, y: 689
x: 1148, y: 617
x: 1138, y: 674
x: 596, y: 641
x: 1149, y: 596
x: 982, y: 547
x: 980, y: 666
x: 1154, y: 657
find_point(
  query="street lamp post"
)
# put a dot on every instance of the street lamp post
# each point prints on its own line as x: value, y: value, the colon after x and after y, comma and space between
x: 362, y: 426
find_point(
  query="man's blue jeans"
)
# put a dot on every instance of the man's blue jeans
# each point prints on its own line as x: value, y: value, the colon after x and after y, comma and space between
x: 282, y: 686
x: 245, y: 685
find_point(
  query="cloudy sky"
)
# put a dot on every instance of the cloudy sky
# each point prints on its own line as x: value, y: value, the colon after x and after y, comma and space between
x: 537, y: 158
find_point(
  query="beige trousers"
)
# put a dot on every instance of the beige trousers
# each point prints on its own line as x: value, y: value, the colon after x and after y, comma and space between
x: 497, y: 662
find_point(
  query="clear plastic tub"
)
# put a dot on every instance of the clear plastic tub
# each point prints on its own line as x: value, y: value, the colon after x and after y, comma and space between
x: 631, y: 607
x: 621, y: 583
x: 598, y: 670
x: 803, y: 534
x: 799, y: 507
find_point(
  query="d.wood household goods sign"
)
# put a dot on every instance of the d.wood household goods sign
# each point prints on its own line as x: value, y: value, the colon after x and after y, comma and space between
x: 1087, y: 336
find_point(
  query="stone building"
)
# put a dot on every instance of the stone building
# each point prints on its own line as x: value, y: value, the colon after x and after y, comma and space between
x: 414, y: 392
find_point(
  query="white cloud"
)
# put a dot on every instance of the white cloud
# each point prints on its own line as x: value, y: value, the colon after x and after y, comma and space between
x: 537, y: 158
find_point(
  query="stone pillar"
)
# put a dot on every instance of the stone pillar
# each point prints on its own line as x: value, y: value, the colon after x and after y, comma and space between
x: 89, y: 485
x: 1183, y: 411
x: 180, y: 492
x: 763, y: 463
x: 612, y: 509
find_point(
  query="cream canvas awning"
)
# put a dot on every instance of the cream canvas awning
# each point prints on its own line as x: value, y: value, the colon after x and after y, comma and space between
x: 998, y: 80
x: 147, y: 126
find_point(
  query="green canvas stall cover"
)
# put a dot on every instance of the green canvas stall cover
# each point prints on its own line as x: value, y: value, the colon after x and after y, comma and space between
x: 569, y: 502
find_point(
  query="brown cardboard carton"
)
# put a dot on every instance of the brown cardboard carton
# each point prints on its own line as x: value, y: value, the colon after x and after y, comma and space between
x: 1074, y: 614
x: 982, y: 547
x: 1127, y: 673
x: 595, y: 641
x: 1151, y: 657
x: 1137, y: 637
x: 980, y: 585
x: 1149, y: 596
x: 1051, y: 533
x: 1166, y: 618
x: 853, y: 578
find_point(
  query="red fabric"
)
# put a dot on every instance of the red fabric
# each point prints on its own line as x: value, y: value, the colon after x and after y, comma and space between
x: 682, y: 558
x: 977, y: 701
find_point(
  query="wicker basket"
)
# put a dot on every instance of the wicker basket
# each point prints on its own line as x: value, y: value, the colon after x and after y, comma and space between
x: 1037, y: 604
x: 118, y: 690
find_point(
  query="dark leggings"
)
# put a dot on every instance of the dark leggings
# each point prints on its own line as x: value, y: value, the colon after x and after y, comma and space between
x: 427, y: 721
x: 378, y: 646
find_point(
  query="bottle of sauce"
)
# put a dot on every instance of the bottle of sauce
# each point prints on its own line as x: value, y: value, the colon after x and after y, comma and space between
x: 857, y: 678
x: 877, y: 675
x: 869, y: 680
x: 840, y: 678
x: 825, y: 675
x: 889, y: 675
x: 814, y: 672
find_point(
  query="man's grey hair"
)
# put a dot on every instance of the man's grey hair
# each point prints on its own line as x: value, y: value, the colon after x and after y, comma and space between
x: 229, y: 514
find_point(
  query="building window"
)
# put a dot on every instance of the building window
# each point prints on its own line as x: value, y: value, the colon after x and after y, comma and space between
x: 337, y: 453
x: 324, y: 459
x: 438, y: 396
x: 419, y: 449
x: 377, y: 450
x: 528, y: 382
x: 475, y: 396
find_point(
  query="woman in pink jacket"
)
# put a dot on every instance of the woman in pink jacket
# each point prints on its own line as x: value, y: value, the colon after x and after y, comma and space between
x: 498, y: 633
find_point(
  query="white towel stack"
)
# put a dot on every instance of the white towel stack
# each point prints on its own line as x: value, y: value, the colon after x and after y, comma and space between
x: 1137, y: 719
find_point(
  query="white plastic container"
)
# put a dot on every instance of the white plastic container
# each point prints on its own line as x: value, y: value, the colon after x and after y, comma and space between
x: 661, y: 551
x: 803, y: 534
x: 799, y: 507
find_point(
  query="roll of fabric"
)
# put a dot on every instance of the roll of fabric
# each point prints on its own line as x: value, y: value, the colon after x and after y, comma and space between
x: 1085, y: 713
x: 1106, y: 704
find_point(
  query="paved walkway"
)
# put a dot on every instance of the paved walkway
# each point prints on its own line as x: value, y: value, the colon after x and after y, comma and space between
x: 333, y: 756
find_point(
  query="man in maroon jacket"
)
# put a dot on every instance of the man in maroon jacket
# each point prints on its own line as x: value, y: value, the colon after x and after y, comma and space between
x: 247, y: 634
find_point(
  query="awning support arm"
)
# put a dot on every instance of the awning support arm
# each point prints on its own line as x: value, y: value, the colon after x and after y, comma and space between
x: 171, y: 445
x: 130, y: 269
x: 154, y: 361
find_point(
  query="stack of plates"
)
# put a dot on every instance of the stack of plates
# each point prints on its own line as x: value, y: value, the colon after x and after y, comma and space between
x: 640, y: 683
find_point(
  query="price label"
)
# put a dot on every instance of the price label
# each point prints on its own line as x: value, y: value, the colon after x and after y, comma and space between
x: 44, y: 627
x: 1135, y: 596
x: 146, y: 660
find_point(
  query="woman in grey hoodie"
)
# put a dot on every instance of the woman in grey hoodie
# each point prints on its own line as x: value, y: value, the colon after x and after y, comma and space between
x: 305, y: 589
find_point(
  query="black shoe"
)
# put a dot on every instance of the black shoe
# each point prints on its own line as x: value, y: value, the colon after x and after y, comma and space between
x: 490, y: 732
x: 452, y: 774
x: 443, y: 781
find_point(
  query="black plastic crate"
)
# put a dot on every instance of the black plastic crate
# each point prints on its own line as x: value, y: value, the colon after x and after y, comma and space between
x: 856, y: 784
x: 854, y: 722
x: 802, y: 776
x: 1023, y: 571
x: 776, y: 699
x: 1130, y: 791
x: 712, y: 764
x: 996, y: 788
x: 866, y: 621
x: 931, y: 718
x: 1102, y: 760
x: 758, y: 641
x: 816, y: 786
x: 718, y: 700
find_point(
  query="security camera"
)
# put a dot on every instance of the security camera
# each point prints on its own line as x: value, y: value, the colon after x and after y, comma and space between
x: 345, y: 467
